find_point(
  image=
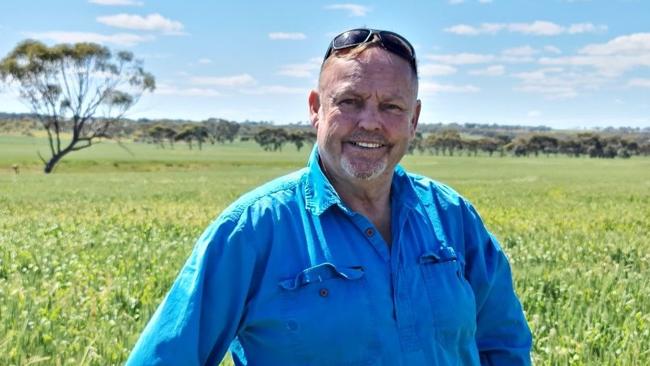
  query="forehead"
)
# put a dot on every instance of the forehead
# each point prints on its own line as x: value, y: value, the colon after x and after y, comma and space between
x: 373, y: 70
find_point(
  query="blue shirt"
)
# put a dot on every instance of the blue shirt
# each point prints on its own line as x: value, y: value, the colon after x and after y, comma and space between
x: 288, y: 275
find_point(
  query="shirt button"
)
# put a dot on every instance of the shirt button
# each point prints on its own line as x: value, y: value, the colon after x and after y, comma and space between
x: 324, y: 292
x: 370, y: 232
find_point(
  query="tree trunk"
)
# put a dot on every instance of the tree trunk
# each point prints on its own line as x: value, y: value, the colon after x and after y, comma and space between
x: 49, y: 166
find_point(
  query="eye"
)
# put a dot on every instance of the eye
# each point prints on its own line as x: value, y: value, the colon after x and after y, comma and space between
x: 393, y: 107
x: 347, y: 101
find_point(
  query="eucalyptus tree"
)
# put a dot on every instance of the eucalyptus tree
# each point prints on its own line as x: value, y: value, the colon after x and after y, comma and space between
x: 77, y: 91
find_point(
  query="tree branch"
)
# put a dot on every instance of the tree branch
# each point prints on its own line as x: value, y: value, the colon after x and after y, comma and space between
x: 88, y: 141
x: 41, y: 157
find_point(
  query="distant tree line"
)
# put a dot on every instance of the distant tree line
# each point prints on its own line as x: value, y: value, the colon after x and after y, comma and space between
x: 450, y: 142
x: 193, y: 134
x: 222, y: 131
x: 430, y: 139
x: 272, y: 139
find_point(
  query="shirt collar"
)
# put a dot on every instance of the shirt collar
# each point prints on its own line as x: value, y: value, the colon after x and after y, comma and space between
x: 321, y: 195
x: 319, y: 192
x: 402, y: 190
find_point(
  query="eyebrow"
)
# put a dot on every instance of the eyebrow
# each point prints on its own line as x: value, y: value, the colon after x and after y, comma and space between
x: 348, y: 91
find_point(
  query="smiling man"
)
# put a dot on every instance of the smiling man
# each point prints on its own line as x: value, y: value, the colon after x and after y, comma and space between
x: 351, y: 260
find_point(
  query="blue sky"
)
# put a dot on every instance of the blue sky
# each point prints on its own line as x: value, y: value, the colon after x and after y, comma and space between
x: 561, y: 63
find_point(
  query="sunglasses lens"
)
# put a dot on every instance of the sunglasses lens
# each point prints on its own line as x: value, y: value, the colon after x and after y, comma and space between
x: 398, y: 45
x: 350, y: 38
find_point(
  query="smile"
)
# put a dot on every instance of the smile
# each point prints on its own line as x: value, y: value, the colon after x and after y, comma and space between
x: 367, y: 145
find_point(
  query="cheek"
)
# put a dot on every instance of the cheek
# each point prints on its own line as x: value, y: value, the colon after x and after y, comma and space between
x: 336, y: 125
x: 399, y: 126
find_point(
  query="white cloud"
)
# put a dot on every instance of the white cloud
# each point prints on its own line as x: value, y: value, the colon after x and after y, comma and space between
x: 538, y: 28
x: 304, y: 70
x: 642, y: 83
x: 151, y: 22
x: 287, y: 36
x: 558, y: 83
x: 121, y: 39
x: 204, y: 61
x: 461, y: 58
x: 276, y: 89
x: 534, y: 113
x: 518, y: 54
x: 234, y: 80
x: 634, y: 44
x: 552, y: 49
x: 550, y: 91
x: 436, y: 70
x: 463, y: 30
x: 586, y: 28
x: 165, y: 89
x: 612, y: 58
x: 522, y: 51
x: 116, y: 2
x: 354, y: 10
x: 510, y: 55
x: 434, y: 88
x: 609, y: 66
x: 538, y: 75
x: 494, y: 70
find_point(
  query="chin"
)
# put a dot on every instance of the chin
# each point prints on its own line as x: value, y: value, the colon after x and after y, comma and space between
x: 363, y: 173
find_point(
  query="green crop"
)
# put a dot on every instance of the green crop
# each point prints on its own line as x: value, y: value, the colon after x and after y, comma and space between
x: 87, y: 253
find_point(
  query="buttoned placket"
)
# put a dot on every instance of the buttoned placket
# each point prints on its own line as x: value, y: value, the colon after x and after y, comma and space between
x: 402, y: 303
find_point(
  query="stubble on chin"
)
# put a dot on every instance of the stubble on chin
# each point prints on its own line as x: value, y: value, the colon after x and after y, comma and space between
x: 368, y: 174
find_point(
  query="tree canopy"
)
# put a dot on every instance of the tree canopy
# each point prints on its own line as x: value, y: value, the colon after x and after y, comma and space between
x: 80, y: 89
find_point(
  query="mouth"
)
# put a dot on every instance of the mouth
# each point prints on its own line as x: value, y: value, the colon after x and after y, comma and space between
x: 366, y: 144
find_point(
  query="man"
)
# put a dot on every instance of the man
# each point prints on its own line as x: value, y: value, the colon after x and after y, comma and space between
x: 351, y: 260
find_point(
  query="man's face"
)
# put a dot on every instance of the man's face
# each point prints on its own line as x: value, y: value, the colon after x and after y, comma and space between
x: 365, y: 113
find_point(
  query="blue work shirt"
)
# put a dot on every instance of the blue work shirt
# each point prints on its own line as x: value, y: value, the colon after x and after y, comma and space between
x: 289, y: 275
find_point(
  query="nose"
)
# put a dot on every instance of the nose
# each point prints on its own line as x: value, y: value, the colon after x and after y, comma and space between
x: 369, y: 117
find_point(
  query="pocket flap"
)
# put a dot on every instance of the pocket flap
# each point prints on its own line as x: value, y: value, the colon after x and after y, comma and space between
x: 320, y: 273
x: 443, y: 254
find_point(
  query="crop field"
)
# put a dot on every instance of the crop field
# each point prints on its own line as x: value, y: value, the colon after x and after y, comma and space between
x: 87, y: 253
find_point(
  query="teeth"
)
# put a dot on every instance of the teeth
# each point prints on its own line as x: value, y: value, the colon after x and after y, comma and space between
x: 368, y: 145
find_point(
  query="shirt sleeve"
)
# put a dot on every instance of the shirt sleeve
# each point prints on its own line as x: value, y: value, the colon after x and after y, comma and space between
x: 200, y: 316
x: 502, y: 333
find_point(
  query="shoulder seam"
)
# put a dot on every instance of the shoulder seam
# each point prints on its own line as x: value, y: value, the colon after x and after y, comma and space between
x: 234, y: 212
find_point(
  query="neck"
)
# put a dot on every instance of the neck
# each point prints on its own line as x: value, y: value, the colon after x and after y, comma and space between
x: 366, y: 196
x: 371, y: 198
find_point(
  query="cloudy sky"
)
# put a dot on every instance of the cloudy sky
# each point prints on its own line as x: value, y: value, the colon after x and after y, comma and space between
x: 561, y: 63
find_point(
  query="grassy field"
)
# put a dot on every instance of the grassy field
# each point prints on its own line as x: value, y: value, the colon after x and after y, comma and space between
x: 87, y: 253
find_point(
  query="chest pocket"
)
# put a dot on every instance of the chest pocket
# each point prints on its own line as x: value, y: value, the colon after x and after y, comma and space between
x: 451, y: 298
x: 328, y: 315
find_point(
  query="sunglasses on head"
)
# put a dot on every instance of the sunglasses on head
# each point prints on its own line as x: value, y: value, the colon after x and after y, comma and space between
x: 390, y: 41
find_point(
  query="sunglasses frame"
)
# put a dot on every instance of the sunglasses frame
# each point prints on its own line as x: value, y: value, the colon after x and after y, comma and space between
x: 387, y: 45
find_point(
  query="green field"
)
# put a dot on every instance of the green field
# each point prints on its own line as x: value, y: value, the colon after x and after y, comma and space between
x: 87, y: 253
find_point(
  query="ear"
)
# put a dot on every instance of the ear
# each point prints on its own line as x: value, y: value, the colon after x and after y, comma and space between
x: 314, y: 107
x: 416, y: 117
